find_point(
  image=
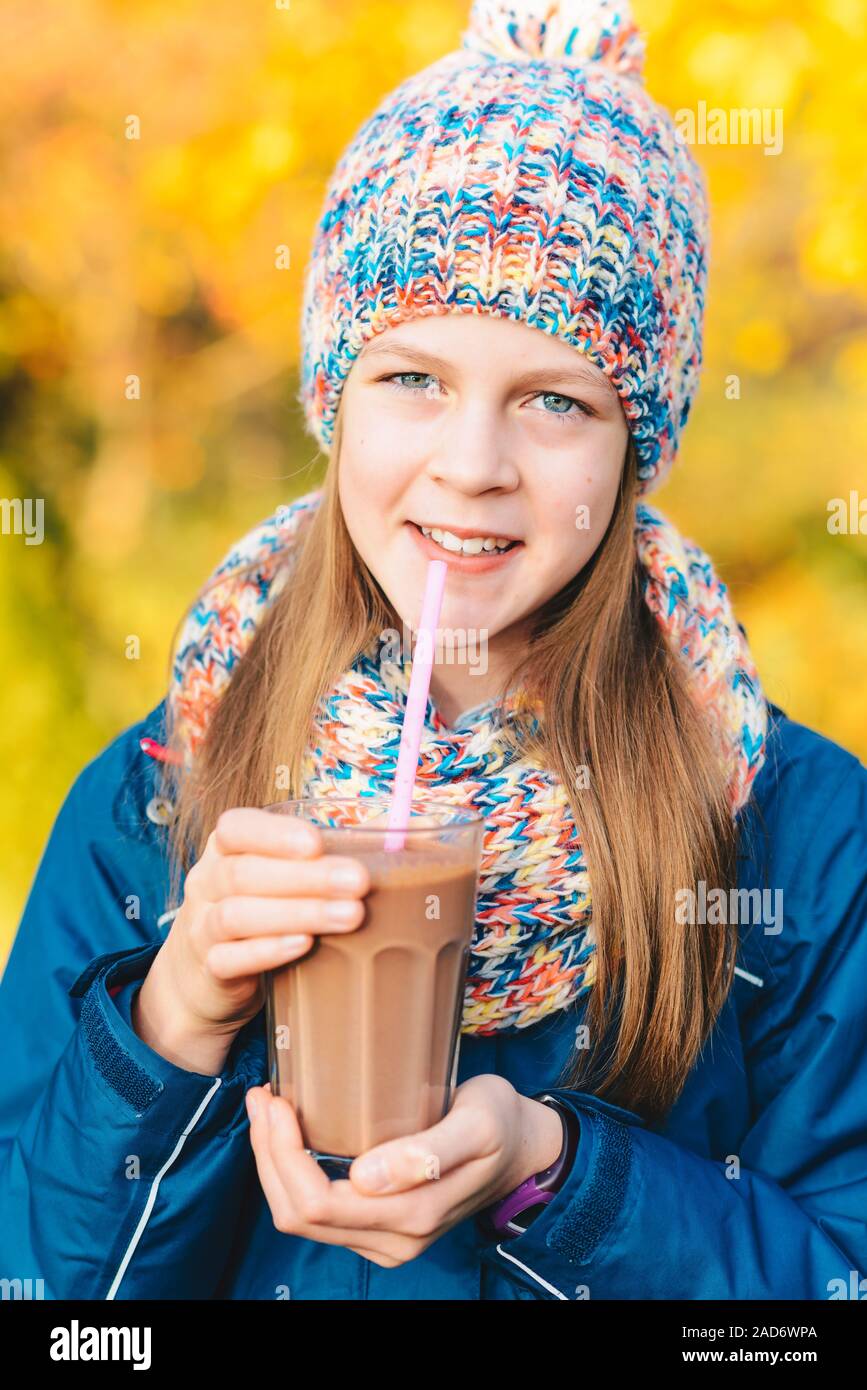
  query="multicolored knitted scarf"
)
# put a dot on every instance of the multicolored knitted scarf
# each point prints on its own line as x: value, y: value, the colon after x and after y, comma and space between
x: 533, y: 948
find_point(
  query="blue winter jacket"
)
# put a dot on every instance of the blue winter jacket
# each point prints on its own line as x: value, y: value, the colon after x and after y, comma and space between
x: 124, y: 1176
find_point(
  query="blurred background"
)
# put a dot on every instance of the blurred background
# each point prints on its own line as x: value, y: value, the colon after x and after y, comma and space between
x: 160, y: 256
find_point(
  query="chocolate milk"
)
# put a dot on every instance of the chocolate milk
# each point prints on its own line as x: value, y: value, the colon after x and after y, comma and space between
x: 364, y: 1029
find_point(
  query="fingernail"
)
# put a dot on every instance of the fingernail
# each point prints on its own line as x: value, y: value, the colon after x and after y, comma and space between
x: 252, y: 1105
x: 342, y: 911
x: 346, y: 878
x: 373, y: 1172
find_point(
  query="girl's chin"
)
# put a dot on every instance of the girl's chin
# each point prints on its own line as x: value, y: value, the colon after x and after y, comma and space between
x: 461, y: 625
x: 457, y: 623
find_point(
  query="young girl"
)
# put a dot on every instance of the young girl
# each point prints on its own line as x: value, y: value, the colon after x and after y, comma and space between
x: 663, y: 1086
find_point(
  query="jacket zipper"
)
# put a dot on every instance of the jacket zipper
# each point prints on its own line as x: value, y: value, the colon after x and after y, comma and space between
x: 152, y: 1195
x: 532, y: 1273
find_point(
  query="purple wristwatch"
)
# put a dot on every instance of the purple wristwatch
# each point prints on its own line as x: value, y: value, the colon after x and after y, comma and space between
x: 500, y: 1219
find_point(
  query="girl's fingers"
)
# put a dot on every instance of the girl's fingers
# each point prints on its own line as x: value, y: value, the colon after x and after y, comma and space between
x: 255, y: 875
x: 231, y: 960
x: 250, y: 830
x: 285, y: 1138
x: 260, y: 1106
x: 341, y: 1208
x: 420, y: 1158
x: 233, y: 918
x: 372, y: 1226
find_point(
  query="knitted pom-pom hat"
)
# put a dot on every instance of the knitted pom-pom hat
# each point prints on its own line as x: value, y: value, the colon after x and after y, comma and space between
x: 528, y: 175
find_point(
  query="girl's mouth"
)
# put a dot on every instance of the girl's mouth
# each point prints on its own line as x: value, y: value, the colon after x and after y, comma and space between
x: 458, y: 560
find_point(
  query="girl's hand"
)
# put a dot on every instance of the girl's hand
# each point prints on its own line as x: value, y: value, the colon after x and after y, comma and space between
x: 489, y: 1142
x: 255, y: 900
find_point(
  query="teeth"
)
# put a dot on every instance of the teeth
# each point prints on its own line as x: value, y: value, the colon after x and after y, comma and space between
x: 473, y: 545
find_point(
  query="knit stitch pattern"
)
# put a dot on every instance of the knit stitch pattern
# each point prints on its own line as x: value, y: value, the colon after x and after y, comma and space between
x: 533, y: 948
x: 528, y: 175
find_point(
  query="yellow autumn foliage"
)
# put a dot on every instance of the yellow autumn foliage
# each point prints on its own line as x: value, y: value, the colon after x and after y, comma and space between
x: 164, y: 165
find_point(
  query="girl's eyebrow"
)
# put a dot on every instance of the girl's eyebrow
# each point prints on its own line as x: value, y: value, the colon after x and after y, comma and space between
x: 578, y: 376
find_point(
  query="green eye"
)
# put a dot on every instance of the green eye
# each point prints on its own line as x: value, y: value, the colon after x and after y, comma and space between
x: 568, y: 401
x: 418, y: 377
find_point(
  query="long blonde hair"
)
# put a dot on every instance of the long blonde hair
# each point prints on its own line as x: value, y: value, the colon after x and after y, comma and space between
x: 654, y: 816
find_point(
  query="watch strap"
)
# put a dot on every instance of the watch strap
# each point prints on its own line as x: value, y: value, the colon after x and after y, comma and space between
x: 500, y: 1219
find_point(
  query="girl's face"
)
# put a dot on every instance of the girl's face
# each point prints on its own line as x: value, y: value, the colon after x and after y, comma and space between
x: 490, y: 430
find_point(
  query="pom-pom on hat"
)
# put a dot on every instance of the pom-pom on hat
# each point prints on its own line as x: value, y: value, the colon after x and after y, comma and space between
x: 583, y: 31
x: 528, y: 175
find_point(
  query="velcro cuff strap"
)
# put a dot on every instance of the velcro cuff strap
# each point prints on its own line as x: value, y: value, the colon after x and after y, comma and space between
x: 588, y: 1218
x: 117, y: 1068
x: 120, y: 1071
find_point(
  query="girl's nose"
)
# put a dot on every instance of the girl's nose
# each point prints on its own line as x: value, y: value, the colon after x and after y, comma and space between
x: 473, y: 453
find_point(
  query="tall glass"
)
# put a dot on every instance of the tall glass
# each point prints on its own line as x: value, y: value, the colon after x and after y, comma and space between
x: 364, y: 1029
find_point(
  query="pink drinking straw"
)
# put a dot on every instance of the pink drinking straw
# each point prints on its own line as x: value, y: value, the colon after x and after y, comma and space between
x: 416, y: 703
